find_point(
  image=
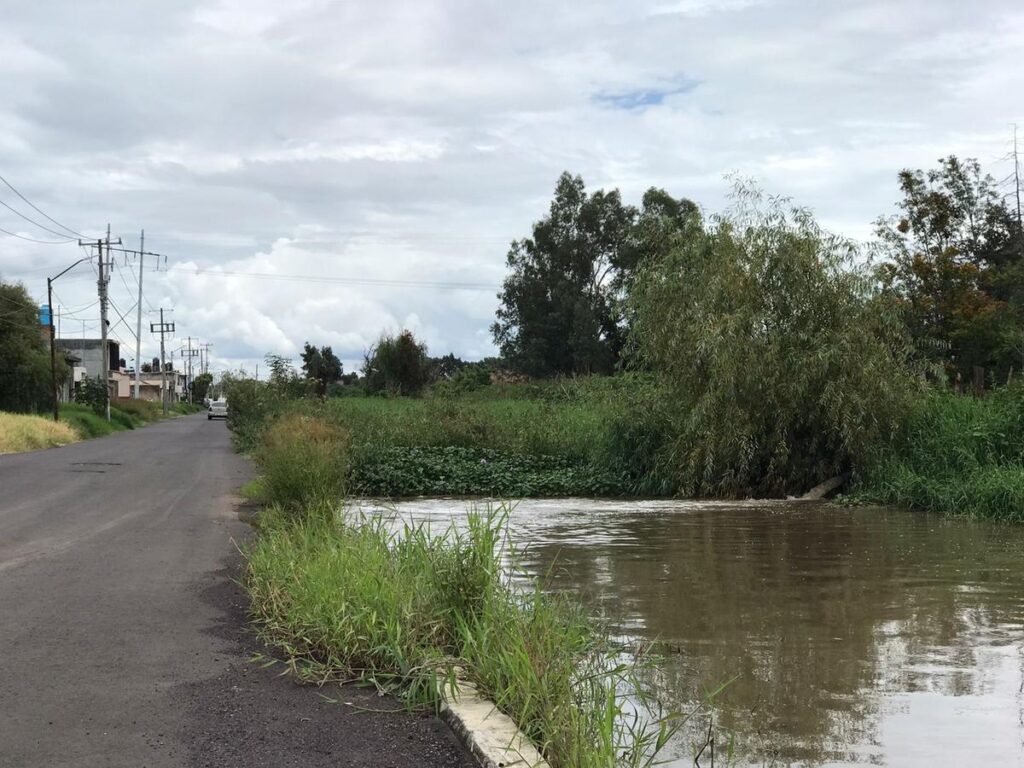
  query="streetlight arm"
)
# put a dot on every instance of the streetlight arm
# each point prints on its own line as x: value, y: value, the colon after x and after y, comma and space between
x: 87, y: 258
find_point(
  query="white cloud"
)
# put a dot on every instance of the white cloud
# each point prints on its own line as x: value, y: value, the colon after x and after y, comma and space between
x: 412, y: 139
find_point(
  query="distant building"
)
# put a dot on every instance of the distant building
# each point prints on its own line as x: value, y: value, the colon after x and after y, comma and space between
x: 90, y: 360
x: 150, y: 384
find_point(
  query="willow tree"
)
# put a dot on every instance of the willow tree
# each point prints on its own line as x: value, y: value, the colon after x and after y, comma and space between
x: 784, y: 361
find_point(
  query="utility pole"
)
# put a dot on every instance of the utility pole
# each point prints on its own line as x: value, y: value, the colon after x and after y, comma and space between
x: 138, y: 315
x: 101, y: 284
x: 162, y: 328
x: 53, y: 351
x: 188, y: 351
x: 103, y: 324
x: 204, y: 361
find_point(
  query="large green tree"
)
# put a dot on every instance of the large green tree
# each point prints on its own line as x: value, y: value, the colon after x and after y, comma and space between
x: 784, y: 364
x: 321, y: 366
x: 24, y: 354
x: 953, y: 257
x: 557, y: 313
x: 563, y: 308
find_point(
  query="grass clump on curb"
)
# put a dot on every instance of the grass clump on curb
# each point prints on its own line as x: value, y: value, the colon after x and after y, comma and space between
x: 347, y: 597
x: 19, y: 432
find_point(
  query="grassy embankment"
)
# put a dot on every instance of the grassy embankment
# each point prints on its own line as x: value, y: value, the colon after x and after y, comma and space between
x: 589, y: 437
x: 345, y: 597
x: 23, y: 432
x: 126, y: 414
x: 958, y: 455
x: 954, y: 454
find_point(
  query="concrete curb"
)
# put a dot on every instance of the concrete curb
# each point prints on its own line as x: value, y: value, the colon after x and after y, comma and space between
x: 491, y: 736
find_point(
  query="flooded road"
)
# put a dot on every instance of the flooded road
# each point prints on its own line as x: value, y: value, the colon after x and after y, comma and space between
x: 852, y: 636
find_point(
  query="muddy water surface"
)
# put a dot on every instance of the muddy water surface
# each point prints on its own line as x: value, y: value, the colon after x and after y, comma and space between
x: 852, y: 636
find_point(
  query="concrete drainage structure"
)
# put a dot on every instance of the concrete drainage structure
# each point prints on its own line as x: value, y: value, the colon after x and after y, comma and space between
x: 490, y: 735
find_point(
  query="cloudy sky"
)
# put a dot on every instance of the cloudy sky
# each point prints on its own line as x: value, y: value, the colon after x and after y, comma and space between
x: 393, y: 149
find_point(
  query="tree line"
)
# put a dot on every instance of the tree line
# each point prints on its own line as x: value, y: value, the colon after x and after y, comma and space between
x: 951, y: 257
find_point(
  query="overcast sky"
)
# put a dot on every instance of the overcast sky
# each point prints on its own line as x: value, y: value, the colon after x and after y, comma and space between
x: 409, y: 142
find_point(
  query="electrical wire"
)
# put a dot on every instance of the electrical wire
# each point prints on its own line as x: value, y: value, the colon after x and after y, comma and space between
x: 35, y: 240
x: 41, y: 212
x: 30, y: 220
x: 121, y: 315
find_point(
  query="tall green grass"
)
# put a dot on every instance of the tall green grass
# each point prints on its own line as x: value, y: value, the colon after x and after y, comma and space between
x: 349, y: 598
x: 304, y: 461
x: 958, y: 455
x: 85, y: 421
x: 515, y: 426
x: 124, y: 415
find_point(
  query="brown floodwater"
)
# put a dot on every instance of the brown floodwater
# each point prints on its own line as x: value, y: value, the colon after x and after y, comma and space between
x: 864, y: 636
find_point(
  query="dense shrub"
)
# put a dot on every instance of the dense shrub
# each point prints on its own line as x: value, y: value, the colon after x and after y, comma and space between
x: 93, y: 393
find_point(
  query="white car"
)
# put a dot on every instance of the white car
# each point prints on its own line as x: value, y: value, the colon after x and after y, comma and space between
x: 218, y: 410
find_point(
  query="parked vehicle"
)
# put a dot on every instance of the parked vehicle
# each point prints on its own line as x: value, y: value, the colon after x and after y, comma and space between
x: 218, y: 410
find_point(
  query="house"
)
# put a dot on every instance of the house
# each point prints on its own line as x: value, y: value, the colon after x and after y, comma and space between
x: 150, y: 384
x: 89, y: 356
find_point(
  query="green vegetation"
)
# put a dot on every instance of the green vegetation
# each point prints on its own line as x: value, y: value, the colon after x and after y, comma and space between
x: 304, y: 462
x: 87, y: 423
x: 126, y: 414
x: 350, y: 599
x: 397, y: 365
x: 571, y: 438
x: 201, y: 386
x: 957, y: 455
x: 753, y: 354
x: 19, y: 432
x: 785, y: 364
x: 93, y: 393
x: 955, y: 260
x: 24, y: 354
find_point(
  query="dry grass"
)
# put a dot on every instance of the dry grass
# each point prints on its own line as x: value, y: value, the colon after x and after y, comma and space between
x: 29, y: 433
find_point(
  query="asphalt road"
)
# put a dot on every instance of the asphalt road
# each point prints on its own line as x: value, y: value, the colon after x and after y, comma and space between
x: 122, y: 631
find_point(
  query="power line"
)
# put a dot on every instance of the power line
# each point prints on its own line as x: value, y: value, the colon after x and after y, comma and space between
x: 39, y: 211
x: 35, y: 240
x: 30, y: 220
